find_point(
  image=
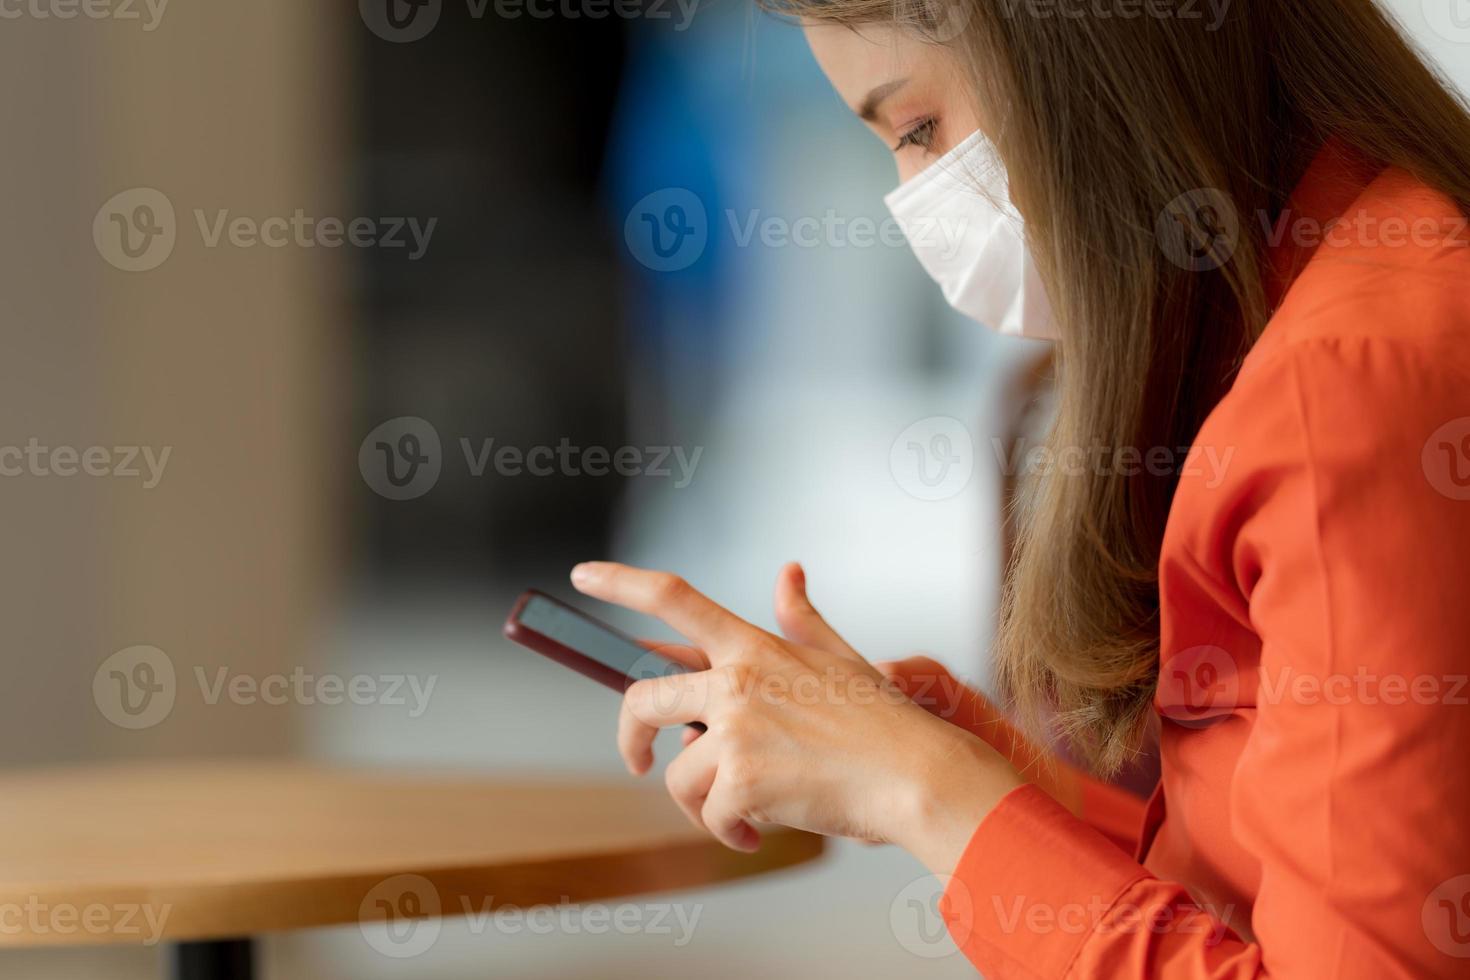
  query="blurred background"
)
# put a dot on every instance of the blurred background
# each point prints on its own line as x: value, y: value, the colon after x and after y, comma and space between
x: 371, y: 322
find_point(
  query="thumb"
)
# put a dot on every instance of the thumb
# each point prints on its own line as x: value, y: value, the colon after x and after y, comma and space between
x: 798, y: 618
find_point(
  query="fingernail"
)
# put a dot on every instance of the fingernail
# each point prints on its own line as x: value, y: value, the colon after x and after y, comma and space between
x: 581, y: 574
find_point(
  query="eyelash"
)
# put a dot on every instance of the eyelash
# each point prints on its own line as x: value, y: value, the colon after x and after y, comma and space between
x: 921, y: 135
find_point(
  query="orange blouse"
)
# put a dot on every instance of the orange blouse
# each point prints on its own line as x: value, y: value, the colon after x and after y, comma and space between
x: 1313, y: 815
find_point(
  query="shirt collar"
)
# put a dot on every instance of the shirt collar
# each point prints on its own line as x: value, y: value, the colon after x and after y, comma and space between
x: 1336, y: 177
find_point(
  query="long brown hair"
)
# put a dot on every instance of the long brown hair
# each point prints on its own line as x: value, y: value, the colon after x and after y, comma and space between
x: 1106, y: 123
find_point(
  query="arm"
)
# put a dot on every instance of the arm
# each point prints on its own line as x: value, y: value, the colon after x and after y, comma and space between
x: 1350, y: 563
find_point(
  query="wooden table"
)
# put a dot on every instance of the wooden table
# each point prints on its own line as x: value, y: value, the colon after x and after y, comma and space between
x: 206, y: 856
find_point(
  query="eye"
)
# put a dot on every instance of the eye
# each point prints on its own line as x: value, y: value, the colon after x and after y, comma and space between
x: 921, y: 134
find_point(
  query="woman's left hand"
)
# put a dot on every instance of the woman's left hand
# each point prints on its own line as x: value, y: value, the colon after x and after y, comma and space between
x: 801, y: 731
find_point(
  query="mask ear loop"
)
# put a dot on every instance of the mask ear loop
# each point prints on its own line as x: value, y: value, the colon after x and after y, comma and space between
x: 975, y: 165
x: 989, y: 175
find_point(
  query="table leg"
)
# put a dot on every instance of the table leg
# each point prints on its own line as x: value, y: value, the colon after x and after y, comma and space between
x: 213, y: 959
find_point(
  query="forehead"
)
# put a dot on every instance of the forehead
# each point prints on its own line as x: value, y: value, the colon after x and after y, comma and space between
x: 858, y: 59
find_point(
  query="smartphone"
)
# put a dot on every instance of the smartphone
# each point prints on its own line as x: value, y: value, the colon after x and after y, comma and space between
x: 590, y: 647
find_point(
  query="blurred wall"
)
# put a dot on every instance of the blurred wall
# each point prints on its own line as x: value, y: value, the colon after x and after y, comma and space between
x: 220, y: 355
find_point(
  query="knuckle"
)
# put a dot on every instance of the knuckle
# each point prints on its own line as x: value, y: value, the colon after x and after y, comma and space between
x: 738, y: 679
x: 635, y: 696
x: 673, y: 783
x: 793, y: 605
x: 742, y: 774
x: 739, y: 737
x: 668, y: 587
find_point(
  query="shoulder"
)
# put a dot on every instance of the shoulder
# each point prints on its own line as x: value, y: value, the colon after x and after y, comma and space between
x: 1369, y: 353
x: 1393, y: 267
x: 1350, y: 420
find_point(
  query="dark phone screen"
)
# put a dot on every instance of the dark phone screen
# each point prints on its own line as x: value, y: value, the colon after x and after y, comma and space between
x: 592, y: 639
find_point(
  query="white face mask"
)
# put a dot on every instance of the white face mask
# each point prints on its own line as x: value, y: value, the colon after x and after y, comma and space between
x: 973, y: 243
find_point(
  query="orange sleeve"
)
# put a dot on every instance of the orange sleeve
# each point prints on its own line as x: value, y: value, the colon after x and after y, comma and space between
x: 1114, y: 812
x: 1347, y: 539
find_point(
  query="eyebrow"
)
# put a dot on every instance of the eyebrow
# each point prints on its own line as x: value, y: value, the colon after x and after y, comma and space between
x: 868, y: 111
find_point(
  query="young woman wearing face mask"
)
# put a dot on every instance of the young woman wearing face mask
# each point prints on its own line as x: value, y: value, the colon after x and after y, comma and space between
x: 1246, y: 232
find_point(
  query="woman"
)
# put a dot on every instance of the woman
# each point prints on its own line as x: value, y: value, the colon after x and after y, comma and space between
x: 1249, y: 220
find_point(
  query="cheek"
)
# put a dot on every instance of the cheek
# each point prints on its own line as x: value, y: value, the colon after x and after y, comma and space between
x: 911, y: 165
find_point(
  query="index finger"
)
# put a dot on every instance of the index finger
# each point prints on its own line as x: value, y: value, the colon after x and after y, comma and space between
x: 667, y: 597
x: 691, y: 657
